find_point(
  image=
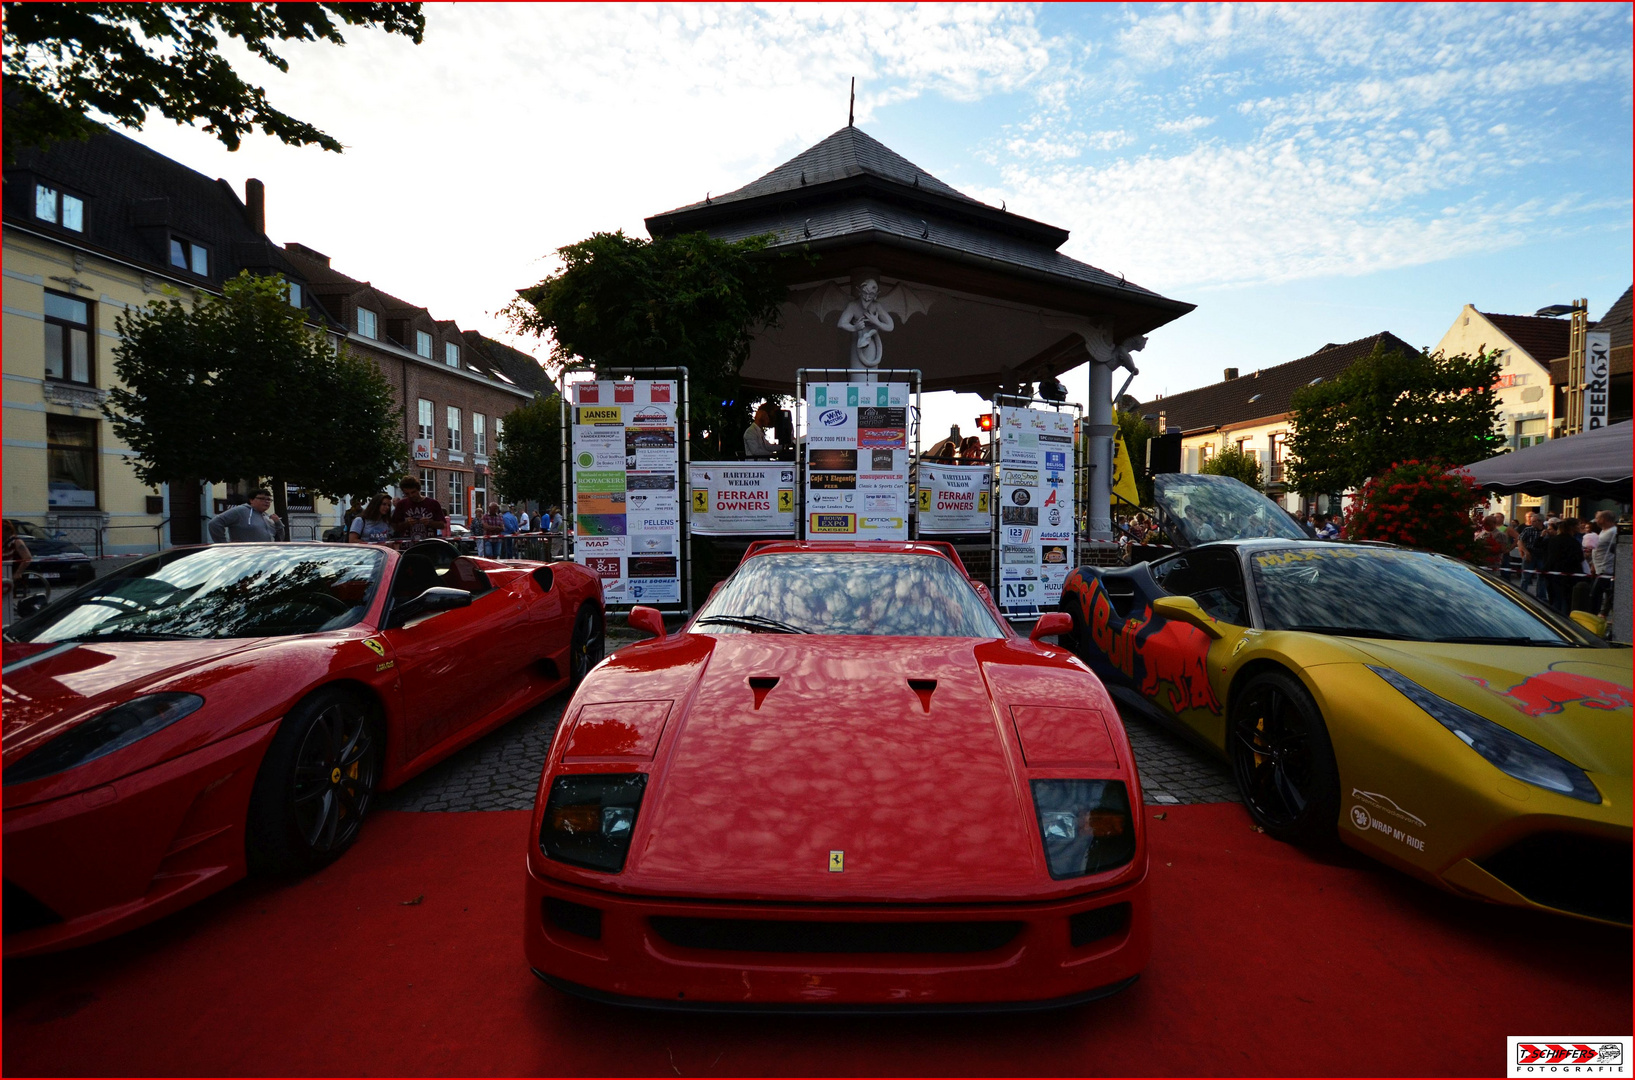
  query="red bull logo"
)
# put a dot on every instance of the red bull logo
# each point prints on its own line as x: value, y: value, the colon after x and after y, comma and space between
x: 1175, y: 654
x: 1549, y: 692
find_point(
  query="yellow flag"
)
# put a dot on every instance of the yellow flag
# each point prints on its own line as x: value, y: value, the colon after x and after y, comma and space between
x: 1123, y: 474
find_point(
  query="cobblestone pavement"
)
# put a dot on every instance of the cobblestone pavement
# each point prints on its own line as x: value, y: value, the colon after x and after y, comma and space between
x: 501, y: 770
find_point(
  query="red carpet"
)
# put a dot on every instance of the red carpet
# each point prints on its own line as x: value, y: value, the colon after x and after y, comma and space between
x: 1265, y: 962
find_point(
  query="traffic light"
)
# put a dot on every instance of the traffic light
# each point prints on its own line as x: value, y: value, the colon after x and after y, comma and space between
x: 985, y: 422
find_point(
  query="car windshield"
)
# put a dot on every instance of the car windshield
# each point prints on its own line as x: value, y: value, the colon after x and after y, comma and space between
x: 1407, y: 595
x: 875, y: 593
x: 228, y: 591
x: 1200, y: 508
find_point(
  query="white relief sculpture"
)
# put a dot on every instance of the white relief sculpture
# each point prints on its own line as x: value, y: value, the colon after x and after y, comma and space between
x: 866, y: 317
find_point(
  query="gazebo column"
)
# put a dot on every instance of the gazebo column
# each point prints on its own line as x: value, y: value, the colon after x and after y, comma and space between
x: 1105, y: 356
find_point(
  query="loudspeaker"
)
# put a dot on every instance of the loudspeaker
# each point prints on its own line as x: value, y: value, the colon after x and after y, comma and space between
x: 1164, y: 453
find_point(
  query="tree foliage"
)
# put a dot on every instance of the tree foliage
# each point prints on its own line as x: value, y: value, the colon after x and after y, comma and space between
x: 1236, y: 463
x: 527, y: 463
x: 678, y: 301
x: 1421, y: 505
x: 240, y: 388
x: 1391, y: 407
x: 63, y: 61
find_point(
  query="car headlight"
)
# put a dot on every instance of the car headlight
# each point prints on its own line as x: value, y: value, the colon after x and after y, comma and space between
x: 1085, y: 825
x: 102, y: 735
x: 1510, y: 753
x: 589, y: 819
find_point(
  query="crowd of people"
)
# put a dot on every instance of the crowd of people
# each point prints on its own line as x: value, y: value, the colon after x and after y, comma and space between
x: 381, y: 518
x: 1553, y: 556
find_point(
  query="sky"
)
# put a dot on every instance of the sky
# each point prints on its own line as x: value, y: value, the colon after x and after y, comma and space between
x: 1303, y: 174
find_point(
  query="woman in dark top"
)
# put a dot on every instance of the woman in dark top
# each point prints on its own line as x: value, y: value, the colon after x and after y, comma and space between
x: 1563, y: 555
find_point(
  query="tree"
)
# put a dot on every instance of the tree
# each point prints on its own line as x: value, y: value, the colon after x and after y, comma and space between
x: 241, y: 388
x: 64, y: 60
x: 678, y: 301
x: 527, y: 464
x: 1422, y: 506
x: 1236, y: 463
x: 1390, y: 407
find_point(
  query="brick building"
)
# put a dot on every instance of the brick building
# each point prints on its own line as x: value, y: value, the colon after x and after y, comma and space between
x: 94, y: 227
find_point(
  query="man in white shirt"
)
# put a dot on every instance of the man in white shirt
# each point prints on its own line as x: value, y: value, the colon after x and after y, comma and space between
x: 1604, y: 560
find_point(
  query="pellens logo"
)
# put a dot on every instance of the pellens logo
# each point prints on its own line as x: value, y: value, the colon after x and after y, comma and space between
x: 1593, y: 1055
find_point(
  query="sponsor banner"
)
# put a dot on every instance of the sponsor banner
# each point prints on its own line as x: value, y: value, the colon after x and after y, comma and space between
x: 1597, y: 378
x: 857, y: 460
x: 626, y: 488
x: 1035, y: 508
x: 731, y: 498
x: 954, y: 499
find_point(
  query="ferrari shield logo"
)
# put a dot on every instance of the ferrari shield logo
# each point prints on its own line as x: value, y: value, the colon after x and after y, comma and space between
x: 375, y: 646
x: 837, y: 861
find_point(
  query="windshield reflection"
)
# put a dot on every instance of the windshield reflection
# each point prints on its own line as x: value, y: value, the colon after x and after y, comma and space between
x: 228, y: 591
x: 875, y: 593
x: 1200, y: 508
x: 1409, y: 595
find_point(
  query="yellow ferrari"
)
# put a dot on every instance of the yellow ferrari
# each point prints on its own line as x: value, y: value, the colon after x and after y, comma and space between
x: 1434, y: 717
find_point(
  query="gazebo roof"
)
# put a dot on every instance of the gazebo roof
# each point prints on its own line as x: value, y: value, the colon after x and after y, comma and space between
x: 852, y: 202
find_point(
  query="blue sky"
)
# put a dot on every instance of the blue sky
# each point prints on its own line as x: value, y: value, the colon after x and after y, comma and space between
x: 1304, y: 174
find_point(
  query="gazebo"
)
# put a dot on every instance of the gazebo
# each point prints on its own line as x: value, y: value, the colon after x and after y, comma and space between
x: 977, y: 298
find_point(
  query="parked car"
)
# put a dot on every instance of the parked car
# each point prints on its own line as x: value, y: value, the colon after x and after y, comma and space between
x: 1435, y: 718
x: 845, y: 785
x: 209, y: 712
x: 55, y: 558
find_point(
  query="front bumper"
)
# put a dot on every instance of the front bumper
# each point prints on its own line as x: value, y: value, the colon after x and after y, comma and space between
x: 94, y: 864
x: 628, y: 951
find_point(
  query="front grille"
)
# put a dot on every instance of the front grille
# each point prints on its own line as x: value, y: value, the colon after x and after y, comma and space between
x: 1098, y: 923
x: 779, y: 936
x: 574, y: 918
x: 1586, y: 875
x: 24, y: 912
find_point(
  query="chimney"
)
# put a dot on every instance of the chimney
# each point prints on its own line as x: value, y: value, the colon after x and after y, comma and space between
x: 255, y: 205
x: 1231, y: 373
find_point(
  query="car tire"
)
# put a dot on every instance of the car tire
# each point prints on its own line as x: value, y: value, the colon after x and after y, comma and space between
x: 1283, y: 761
x: 586, y: 647
x: 316, y: 783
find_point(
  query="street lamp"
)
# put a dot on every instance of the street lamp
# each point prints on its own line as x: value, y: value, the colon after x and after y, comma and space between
x: 1580, y: 311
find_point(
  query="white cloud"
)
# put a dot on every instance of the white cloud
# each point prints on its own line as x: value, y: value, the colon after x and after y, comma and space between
x: 1186, y: 126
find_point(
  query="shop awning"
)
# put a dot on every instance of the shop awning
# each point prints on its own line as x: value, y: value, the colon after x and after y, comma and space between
x: 1594, y: 464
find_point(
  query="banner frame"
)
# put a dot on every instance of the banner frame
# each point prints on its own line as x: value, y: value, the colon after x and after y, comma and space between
x: 874, y: 378
x: 683, y: 477
x: 996, y: 462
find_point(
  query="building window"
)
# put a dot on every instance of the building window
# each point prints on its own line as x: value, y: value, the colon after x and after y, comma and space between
x: 1276, y: 467
x: 426, y: 431
x: 479, y: 433
x: 451, y: 354
x: 367, y: 325
x: 1531, y: 432
x: 59, y: 208
x: 67, y: 338
x: 428, y: 483
x: 453, y: 428
x: 456, y: 493
x: 479, y: 502
x: 422, y: 343
x: 1205, y: 452
x: 499, y: 431
x: 189, y: 256
x: 71, y: 462
x: 295, y: 293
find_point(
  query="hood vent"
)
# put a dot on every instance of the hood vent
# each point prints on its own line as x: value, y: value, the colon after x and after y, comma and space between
x: 761, y: 685
x: 924, y: 688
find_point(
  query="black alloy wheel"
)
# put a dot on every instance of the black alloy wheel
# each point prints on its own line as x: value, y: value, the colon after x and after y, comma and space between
x: 587, y: 645
x: 1283, y: 761
x: 316, y: 783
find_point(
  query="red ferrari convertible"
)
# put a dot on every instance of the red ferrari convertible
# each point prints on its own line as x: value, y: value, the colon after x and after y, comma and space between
x: 211, y: 711
x: 846, y: 785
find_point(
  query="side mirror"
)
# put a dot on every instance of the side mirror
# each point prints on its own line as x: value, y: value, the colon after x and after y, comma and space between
x: 648, y: 619
x: 1050, y: 624
x: 430, y: 602
x: 1185, y: 609
x: 30, y: 605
